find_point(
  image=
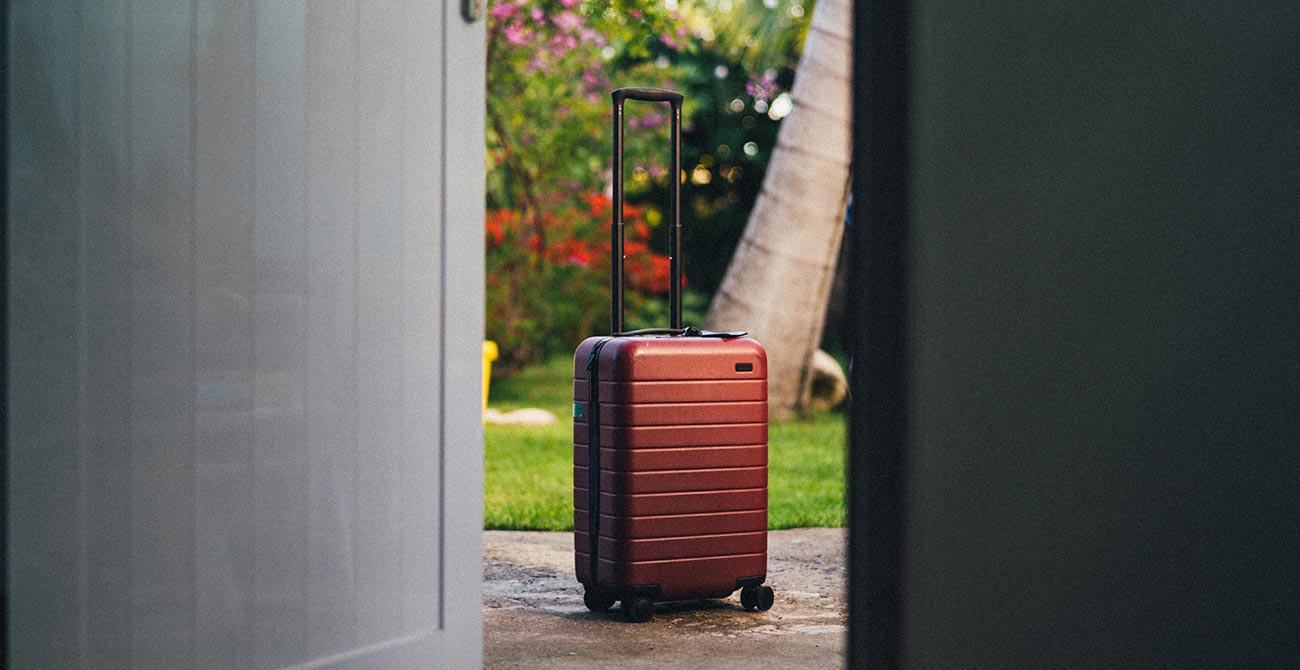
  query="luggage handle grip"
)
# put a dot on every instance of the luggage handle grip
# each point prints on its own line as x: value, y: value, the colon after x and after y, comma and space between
x: 647, y: 94
x: 689, y: 331
x: 674, y: 99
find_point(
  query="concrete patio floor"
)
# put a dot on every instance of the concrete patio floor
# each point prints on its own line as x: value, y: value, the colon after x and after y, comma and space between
x: 533, y: 616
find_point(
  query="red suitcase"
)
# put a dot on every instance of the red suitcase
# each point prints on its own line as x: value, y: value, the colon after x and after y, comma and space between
x: 669, y: 444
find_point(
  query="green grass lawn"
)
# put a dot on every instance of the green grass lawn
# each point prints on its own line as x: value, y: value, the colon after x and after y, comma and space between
x: 529, y: 470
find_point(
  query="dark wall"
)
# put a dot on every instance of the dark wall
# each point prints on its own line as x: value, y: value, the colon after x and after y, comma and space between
x: 1102, y: 334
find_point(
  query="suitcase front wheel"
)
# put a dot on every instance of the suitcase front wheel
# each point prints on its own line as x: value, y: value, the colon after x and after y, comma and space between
x: 597, y: 601
x: 757, y: 598
x: 638, y: 609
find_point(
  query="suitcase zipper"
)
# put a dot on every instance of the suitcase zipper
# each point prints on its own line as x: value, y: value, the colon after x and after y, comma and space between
x: 593, y: 462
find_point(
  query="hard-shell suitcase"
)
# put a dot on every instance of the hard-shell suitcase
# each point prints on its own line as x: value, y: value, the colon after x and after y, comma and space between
x: 669, y: 443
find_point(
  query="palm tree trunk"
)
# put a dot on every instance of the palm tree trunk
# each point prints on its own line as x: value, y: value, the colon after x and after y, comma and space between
x: 778, y: 284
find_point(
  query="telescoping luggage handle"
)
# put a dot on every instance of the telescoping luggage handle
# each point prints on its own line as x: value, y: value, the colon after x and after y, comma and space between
x: 674, y: 99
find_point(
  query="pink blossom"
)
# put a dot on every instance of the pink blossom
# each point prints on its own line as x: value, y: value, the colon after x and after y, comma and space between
x: 568, y: 3
x: 516, y: 35
x: 504, y: 10
x: 538, y: 14
x: 567, y: 21
x: 681, y: 31
x: 636, y: 14
x: 588, y: 35
x: 653, y: 120
x: 558, y: 45
x: 670, y: 42
x: 764, y: 87
x: 592, y: 79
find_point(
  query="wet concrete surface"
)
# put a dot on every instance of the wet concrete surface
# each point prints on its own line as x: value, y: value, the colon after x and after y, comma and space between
x: 533, y: 616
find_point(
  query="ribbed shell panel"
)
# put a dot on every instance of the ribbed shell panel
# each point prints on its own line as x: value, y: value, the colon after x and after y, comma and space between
x: 683, y: 476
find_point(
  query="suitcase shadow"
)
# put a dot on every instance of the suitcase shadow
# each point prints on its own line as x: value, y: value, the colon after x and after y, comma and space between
x: 662, y: 609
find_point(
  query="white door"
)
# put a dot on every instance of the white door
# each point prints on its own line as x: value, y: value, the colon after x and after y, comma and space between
x: 244, y: 315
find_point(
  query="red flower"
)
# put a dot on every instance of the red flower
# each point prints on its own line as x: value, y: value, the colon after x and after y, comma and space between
x: 498, y: 222
x: 599, y: 204
x: 632, y: 247
x: 659, y: 281
x: 495, y: 233
x: 580, y: 257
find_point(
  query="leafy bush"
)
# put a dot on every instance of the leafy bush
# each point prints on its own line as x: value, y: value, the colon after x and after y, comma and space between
x: 550, y: 68
x: 547, y: 291
x: 551, y: 65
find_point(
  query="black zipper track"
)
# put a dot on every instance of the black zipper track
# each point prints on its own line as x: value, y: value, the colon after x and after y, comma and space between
x: 593, y: 461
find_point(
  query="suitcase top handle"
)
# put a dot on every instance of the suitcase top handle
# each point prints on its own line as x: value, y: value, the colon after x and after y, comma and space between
x: 674, y: 99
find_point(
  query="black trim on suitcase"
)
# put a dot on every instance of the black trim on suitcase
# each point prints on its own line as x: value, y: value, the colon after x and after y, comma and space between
x: 593, y: 463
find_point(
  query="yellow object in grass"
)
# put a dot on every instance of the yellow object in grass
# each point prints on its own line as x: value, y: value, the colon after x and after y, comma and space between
x: 489, y: 354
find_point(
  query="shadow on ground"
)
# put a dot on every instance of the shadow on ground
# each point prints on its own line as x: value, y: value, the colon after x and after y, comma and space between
x: 533, y: 616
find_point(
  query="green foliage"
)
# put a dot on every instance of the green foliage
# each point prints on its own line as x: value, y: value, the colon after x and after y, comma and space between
x: 758, y: 34
x: 806, y: 460
x: 725, y: 150
x: 551, y: 65
x: 529, y: 475
x: 652, y: 312
x: 548, y: 386
x: 529, y: 470
x: 550, y: 68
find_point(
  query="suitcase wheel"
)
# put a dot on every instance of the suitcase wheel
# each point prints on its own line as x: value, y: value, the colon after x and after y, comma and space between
x: 638, y: 609
x: 597, y: 601
x: 757, y: 598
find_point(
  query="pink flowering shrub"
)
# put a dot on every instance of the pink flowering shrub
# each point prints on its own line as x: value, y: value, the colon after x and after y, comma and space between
x: 551, y: 66
x: 764, y: 86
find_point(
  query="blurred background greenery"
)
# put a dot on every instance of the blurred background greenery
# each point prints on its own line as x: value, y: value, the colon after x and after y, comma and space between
x: 551, y: 66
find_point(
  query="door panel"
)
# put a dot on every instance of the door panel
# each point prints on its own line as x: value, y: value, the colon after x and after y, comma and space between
x: 244, y: 318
